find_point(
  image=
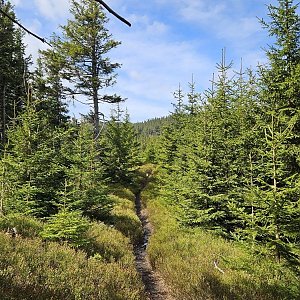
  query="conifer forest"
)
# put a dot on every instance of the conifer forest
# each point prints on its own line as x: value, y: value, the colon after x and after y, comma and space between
x: 201, y: 204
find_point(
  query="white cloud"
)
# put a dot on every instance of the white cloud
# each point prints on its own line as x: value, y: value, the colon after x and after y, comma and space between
x: 227, y: 21
x: 242, y: 28
x: 33, y: 44
x: 146, y: 25
x: 157, y: 28
x: 153, y: 65
x: 202, y: 11
x: 53, y: 9
x: 156, y: 53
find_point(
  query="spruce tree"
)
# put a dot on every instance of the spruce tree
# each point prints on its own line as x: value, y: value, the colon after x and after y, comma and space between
x: 280, y: 105
x: 49, y: 168
x: 82, y: 53
x: 85, y: 183
x: 13, y: 70
x: 67, y: 226
x: 34, y: 168
x: 171, y: 135
x: 248, y: 141
x: 48, y: 88
x: 119, y: 149
x: 218, y: 177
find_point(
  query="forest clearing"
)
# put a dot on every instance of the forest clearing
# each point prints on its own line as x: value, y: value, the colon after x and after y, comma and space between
x: 203, y: 203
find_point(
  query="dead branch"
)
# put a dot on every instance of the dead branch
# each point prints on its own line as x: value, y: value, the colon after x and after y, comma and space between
x: 216, y: 266
x: 44, y: 40
x: 24, y: 28
x: 114, y: 13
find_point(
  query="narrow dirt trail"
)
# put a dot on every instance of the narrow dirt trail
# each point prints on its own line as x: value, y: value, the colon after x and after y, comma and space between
x: 154, y: 285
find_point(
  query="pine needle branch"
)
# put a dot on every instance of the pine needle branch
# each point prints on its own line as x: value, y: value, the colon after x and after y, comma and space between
x: 24, y: 28
x: 113, y: 12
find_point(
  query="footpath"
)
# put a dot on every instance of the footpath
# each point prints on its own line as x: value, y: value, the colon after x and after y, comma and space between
x: 155, y: 287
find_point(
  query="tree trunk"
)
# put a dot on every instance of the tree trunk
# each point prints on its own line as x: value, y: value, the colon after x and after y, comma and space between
x: 96, y: 116
x: 2, y: 194
x: 95, y: 94
x: 274, y: 162
x: 252, y: 201
x: 3, y: 115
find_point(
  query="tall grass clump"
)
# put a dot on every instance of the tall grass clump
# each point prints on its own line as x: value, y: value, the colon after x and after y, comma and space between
x: 199, y: 265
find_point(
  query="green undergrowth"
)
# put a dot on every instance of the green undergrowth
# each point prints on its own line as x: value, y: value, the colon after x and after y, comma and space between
x: 124, y: 217
x: 43, y: 262
x: 33, y: 269
x: 187, y: 259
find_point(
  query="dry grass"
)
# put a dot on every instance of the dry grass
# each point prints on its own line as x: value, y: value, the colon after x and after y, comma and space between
x: 124, y: 217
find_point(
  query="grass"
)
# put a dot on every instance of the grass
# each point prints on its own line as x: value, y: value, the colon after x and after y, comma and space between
x: 102, y: 269
x: 185, y: 258
x: 26, y: 226
x: 123, y: 214
x: 109, y: 244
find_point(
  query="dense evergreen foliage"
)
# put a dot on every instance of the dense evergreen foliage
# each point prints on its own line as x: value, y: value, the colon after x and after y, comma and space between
x: 151, y: 127
x: 13, y: 70
x: 231, y: 155
x: 120, y: 149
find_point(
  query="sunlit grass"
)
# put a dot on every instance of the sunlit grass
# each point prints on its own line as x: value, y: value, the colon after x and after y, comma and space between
x: 124, y: 217
x: 187, y: 259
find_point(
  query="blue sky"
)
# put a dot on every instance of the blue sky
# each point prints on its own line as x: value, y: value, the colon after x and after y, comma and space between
x: 168, y: 42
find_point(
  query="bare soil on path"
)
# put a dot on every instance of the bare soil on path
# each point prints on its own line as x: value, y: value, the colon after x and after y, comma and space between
x: 155, y: 287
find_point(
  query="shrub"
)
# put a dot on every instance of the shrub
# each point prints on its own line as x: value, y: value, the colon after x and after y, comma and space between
x: 125, y: 220
x: 122, y: 192
x: 108, y: 244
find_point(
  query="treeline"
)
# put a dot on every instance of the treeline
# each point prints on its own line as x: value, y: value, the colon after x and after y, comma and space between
x: 151, y: 127
x: 230, y: 155
x: 148, y: 133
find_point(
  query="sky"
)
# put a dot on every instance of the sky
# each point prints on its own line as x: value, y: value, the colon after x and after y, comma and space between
x: 169, y: 42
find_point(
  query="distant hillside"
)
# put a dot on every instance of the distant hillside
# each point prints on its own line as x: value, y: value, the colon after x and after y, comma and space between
x: 152, y: 127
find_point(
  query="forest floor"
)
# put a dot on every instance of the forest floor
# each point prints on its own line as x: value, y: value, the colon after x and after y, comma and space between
x: 155, y: 286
